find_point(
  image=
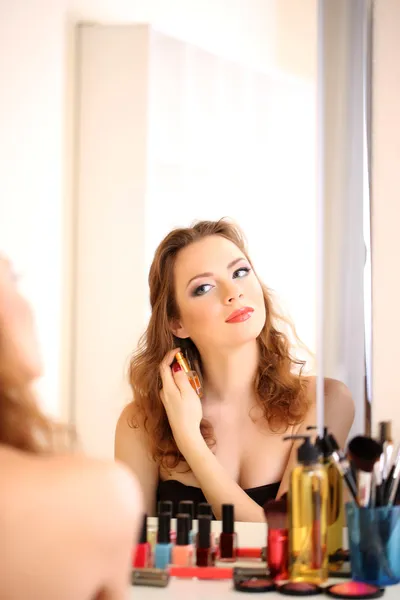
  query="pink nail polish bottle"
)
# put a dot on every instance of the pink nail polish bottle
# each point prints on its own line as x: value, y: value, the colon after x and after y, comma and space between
x: 182, y: 552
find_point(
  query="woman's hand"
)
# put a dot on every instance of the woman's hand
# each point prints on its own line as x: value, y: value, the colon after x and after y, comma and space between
x: 181, y: 403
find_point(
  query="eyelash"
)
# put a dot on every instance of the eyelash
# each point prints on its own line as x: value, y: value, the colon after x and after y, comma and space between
x: 198, y: 290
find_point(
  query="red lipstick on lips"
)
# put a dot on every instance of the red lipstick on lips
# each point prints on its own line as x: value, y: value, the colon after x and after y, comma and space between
x: 240, y: 315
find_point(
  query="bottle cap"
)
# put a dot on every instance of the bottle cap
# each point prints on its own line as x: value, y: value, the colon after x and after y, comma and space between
x: 186, y: 507
x: 143, y: 534
x: 164, y: 527
x: 182, y: 529
x: 204, y: 533
x: 228, y: 518
x: 165, y: 506
x: 204, y: 509
x: 307, y: 453
x: 182, y: 361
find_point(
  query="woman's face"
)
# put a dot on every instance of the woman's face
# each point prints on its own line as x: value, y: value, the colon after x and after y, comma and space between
x: 219, y: 297
x: 19, y: 352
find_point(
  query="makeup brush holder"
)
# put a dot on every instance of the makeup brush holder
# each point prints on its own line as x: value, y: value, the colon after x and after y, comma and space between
x: 374, y: 544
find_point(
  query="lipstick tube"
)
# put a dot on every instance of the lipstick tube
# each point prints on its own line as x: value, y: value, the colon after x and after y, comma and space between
x: 142, y: 552
x: 277, y: 554
x: 228, y: 538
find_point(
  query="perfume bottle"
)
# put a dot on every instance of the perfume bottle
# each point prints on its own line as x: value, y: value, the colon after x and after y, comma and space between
x: 192, y: 375
x: 308, y: 507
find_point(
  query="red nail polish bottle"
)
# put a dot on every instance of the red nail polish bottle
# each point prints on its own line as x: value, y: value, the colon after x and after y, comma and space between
x: 203, y: 542
x: 142, y: 552
x: 227, y: 538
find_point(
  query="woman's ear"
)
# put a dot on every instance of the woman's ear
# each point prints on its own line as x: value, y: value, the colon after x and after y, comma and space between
x: 178, y: 330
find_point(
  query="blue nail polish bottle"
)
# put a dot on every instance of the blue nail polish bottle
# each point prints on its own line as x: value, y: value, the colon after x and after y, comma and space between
x: 162, y: 551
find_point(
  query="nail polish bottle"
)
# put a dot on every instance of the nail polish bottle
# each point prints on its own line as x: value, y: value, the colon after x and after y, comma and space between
x: 186, y: 507
x: 203, y: 542
x: 162, y: 552
x: 203, y: 508
x: 192, y: 375
x: 227, y: 538
x: 142, y: 552
x: 182, y: 552
x: 167, y: 507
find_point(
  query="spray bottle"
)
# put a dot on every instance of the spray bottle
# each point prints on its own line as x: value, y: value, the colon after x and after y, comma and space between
x: 335, y: 500
x: 308, y: 508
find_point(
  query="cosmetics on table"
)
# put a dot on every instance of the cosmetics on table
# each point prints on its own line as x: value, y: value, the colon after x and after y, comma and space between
x: 182, y: 550
x: 276, y: 515
x: 162, y: 551
x: 385, y: 438
x: 186, y: 507
x: 254, y: 584
x: 193, y: 377
x: 343, y: 465
x: 203, y: 542
x: 201, y: 572
x: 308, y: 503
x: 150, y: 577
x: 227, y: 538
x: 142, y: 553
x: 354, y: 590
x: 364, y: 453
x: 335, y: 513
x: 165, y: 506
x: 299, y: 588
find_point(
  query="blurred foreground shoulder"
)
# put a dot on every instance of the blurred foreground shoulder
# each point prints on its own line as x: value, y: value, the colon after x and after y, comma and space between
x: 87, y: 511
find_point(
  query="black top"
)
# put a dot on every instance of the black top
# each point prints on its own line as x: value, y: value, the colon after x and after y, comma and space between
x: 176, y: 492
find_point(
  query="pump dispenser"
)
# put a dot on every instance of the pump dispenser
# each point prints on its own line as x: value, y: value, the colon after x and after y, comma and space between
x: 335, y: 513
x: 308, y: 504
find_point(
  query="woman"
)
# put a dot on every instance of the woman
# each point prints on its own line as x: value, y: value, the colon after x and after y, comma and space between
x: 67, y: 523
x: 228, y: 447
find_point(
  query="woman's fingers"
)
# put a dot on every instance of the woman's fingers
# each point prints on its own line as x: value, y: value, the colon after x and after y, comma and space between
x: 167, y: 379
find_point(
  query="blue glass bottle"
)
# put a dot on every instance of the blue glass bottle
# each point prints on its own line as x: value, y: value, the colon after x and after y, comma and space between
x: 162, y: 551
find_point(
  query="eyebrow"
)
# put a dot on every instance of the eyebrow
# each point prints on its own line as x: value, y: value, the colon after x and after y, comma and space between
x: 230, y: 265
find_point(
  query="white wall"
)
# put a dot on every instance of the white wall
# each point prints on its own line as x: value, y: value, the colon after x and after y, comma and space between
x: 37, y: 49
x: 32, y: 201
x: 386, y: 213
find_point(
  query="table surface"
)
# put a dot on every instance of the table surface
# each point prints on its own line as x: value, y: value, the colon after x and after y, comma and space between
x: 249, y: 535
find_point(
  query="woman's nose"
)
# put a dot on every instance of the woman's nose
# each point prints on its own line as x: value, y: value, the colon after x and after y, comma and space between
x: 232, y: 293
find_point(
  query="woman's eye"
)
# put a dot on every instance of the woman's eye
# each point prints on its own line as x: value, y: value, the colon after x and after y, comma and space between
x: 202, y: 289
x: 242, y: 272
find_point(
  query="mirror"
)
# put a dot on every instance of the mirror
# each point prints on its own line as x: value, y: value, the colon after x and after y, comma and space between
x: 170, y: 132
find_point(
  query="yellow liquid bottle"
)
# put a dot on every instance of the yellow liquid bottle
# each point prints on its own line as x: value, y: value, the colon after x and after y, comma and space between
x: 308, y: 516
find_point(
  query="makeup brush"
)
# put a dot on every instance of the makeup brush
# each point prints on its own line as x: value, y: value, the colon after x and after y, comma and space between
x: 364, y: 452
x: 342, y: 464
x: 390, y: 481
x: 276, y: 514
x: 385, y: 438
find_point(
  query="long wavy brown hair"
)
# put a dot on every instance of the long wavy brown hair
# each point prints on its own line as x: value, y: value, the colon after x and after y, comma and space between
x: 280, y: 384
x: 23, y: 426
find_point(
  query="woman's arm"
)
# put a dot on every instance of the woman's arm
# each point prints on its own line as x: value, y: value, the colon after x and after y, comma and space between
x: 338, y: 417
x: 67, y: 527
x: 131, y: 448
